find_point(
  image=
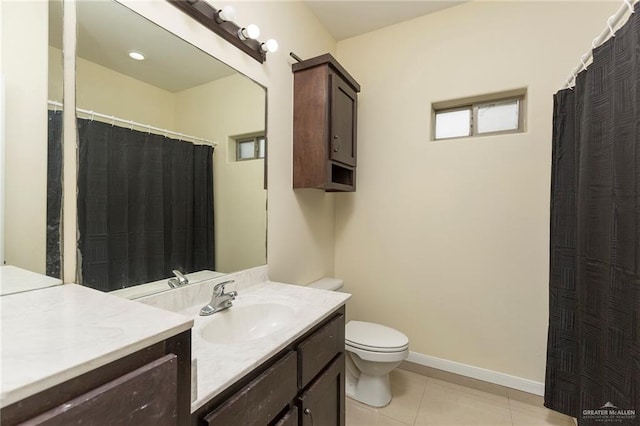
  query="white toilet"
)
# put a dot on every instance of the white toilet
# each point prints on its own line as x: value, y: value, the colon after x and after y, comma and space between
x: 373, y: 351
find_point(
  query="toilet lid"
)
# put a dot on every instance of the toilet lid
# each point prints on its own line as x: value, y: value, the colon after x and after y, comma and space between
x: 378, y: 338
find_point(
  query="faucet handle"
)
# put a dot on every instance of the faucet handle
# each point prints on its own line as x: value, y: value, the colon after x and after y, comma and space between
x: 181, y: 278
x: 219, y: 288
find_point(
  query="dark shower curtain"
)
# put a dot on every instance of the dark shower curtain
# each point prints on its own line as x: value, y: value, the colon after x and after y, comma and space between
x: 145, y: 206
x: 593, y: 351
x: 54, y: 193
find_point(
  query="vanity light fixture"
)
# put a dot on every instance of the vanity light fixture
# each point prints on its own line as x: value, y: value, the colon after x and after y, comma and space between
x: 136, y: 55
x: 251, y: 31
x: 270, y: 46
x: 220, y: 21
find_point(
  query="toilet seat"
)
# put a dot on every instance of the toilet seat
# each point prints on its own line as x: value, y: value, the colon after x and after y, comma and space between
x: 375, y: 348
x: 375, y: 337
x: 378, y: 356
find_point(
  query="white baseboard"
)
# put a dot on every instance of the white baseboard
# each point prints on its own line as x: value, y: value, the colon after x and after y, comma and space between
x: 485, y: 375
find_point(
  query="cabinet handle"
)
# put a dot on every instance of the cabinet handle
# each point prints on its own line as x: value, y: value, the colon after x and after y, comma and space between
x: 307, y: 412
x: 335, y: 137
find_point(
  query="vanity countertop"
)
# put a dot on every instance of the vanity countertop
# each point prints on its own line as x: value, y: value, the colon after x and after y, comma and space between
x: 55, y: 334
x: 16, y: 280
x: 221, y: 365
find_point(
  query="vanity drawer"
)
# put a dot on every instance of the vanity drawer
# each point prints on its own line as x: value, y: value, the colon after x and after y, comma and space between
x: 145, y: 396
x: 262, y: 399
x: 319, y: 349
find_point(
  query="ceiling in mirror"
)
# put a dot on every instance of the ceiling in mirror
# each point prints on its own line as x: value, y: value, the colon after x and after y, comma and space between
x: 170, y: 63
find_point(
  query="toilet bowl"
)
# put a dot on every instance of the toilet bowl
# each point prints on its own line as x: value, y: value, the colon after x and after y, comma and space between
x: 373, y: 351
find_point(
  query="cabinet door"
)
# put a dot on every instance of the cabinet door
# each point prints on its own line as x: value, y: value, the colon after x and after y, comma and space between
x: 322, y: 404
x: 146, y: 396
x: 343, y: 121
x: 289, y: 419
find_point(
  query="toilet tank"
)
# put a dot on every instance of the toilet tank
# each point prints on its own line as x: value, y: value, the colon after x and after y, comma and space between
x: 331, y: 284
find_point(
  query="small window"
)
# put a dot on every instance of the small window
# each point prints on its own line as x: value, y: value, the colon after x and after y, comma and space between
x: 250, y: 148
x: 483, y: 117
x: 453, y: 123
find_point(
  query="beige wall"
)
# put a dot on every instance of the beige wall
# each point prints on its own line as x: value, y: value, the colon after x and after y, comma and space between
x: 108, y: 92
x: 55, y: 80
x: 448, y: 241
x: 228, y: 107
x: 301, y: 223
x: 24, y: 63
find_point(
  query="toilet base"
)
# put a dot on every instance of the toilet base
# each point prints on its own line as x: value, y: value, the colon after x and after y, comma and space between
x: 370, y: 390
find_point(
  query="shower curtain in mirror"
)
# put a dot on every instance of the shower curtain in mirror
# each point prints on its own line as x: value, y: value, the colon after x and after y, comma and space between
x: 145, y: 206
x: 593, y: 351
x: 54, y: 193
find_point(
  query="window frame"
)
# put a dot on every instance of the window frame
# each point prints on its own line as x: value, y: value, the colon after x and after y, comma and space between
x: 256, y: 147
x: 473, y: 106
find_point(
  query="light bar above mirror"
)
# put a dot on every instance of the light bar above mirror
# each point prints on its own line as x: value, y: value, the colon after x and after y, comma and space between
x: 220, y: 22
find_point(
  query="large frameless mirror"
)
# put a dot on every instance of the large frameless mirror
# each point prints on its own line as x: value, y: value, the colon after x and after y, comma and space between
x: 160, y: 184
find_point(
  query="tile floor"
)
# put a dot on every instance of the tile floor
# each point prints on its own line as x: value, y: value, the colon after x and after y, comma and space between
x: 426, y: 401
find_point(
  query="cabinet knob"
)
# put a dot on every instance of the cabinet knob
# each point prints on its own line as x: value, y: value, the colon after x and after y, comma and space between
x: 307, y: 411
x: 335, y: 136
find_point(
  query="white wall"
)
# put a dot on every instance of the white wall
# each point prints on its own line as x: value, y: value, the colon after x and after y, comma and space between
x: 24, y: 38
x: 448, y: 241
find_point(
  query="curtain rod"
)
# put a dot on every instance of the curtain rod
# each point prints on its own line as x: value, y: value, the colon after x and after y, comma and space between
x: 613, y: 21
x: 131, y: 123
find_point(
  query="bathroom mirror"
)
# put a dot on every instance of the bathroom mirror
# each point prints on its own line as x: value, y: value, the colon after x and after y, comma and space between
x: 175, y: 91
x: 32, y: 70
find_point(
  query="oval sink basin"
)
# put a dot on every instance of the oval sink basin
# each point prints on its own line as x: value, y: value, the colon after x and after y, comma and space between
x: 240, y: 324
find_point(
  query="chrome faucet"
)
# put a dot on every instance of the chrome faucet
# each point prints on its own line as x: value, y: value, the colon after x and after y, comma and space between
x: 179, y: 279
x: 219, y: 300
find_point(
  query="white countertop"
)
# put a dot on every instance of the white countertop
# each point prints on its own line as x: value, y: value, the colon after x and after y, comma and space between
x: 220, y: 365
x: 15, y: 280
x: 58, y: 333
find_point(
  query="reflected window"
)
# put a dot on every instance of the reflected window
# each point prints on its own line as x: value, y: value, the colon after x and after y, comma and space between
x: 250, y: 148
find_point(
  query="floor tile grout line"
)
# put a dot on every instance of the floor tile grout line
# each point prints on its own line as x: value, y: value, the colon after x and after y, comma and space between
x: 510, y: 409
x: 424, y: 391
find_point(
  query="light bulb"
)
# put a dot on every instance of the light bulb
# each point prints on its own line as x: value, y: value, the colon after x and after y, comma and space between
x: 250, y: 31
x: 270, y: 46
x: 227, y: 13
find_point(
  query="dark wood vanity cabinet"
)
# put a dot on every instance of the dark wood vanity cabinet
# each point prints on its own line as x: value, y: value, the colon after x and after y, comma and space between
x: 302, y: 385
x: 149, y: 387
x: 324, y: 125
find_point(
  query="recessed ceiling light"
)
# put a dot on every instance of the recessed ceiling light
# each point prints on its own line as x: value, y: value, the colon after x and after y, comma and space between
x: 136, y: 55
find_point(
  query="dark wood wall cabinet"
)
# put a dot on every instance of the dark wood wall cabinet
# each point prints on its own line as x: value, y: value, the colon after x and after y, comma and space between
x: 325, y: 104
x: 302, y: 385
x: 149, y: 387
